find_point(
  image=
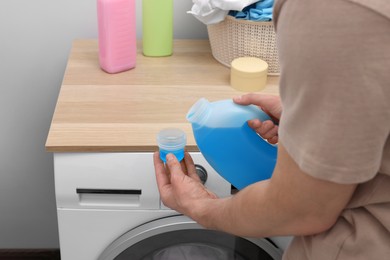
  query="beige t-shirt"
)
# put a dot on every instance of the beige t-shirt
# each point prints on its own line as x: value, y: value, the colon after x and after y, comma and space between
x: 335, y: 90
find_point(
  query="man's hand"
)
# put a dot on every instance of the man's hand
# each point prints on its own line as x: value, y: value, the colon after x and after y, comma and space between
x: 269, y: 104
x: 179, y: 185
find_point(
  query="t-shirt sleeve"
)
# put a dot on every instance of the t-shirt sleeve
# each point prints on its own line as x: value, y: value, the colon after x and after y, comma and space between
x: 334, y: 88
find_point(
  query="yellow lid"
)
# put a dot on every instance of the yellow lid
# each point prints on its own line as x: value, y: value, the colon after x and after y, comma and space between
x: 248, y: 74
x: 249, y: 67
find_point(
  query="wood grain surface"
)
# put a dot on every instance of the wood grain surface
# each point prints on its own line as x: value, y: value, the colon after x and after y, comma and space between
x: 101, y: 112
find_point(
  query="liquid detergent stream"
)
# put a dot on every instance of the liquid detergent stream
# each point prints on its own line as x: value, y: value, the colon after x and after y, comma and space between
x: 229, y: 145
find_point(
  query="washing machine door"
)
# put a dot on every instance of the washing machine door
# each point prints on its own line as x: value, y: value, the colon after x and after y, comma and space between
x: 179, y: 237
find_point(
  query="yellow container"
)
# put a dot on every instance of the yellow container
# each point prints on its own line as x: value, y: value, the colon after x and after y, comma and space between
x: 248, y: 74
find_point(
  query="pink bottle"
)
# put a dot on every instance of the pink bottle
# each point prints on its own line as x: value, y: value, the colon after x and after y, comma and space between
x: 117, y: 35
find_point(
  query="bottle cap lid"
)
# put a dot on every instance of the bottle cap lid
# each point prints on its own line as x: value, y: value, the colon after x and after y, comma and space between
x: 171, y: 139
x: 248, y: 74
x: 249, y: 67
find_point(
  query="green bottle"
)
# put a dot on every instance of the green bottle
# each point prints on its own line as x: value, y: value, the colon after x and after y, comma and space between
x: 157, y: 27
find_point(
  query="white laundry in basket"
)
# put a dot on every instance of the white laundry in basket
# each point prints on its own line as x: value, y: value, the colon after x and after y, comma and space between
x: 215, y: 11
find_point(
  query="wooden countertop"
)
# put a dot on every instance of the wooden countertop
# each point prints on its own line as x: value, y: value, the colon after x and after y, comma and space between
x: 100, y: 112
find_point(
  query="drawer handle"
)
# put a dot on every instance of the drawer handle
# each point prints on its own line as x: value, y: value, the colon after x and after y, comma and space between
x: 109, y: 191
x: 109, y: 197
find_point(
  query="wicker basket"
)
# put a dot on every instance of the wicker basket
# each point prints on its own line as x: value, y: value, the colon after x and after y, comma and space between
x: 233, y: 38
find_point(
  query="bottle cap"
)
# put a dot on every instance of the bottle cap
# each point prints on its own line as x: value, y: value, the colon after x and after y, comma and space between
x: 171, y: 140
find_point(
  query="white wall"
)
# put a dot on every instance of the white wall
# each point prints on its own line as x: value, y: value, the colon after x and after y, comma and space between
x: 35, y: 39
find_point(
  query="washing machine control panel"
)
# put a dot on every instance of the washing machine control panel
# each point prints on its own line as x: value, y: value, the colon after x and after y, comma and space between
x: 119, y: 180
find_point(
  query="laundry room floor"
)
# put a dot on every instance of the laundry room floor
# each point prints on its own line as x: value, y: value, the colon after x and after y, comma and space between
x: 30, y: 254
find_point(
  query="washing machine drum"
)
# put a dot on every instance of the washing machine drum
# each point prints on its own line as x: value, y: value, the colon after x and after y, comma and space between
x: 180, y: 238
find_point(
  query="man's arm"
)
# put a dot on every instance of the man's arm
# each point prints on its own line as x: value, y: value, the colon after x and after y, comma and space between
x: 290, y: 203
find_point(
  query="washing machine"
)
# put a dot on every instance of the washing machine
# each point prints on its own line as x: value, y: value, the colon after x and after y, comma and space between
x: 109, y: 207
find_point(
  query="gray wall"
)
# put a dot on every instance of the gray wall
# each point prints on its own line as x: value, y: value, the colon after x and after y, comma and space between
x: 35, y: 39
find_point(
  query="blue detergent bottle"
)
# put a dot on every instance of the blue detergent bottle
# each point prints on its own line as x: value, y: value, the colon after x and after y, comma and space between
x: 228, y: 144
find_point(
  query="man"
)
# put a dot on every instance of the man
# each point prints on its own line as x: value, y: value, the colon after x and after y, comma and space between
x: 330, y: 186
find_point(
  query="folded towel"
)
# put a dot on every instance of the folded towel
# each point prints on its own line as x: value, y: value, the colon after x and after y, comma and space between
x: 260, y: 11
x: 264, y: 4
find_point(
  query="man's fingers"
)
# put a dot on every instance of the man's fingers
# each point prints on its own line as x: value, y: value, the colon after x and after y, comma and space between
x: 266, y: 126
x: 268, y: 103
x: 162, y: 176
x: 271, y: 133
x: 245, y: 99
x: 261, y: 128
x: 255, y: 99
x: 267, y: 129
x: 190, y: 167
x: 255, y: 124
x: 273, y: 140
x: 175, y: 169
